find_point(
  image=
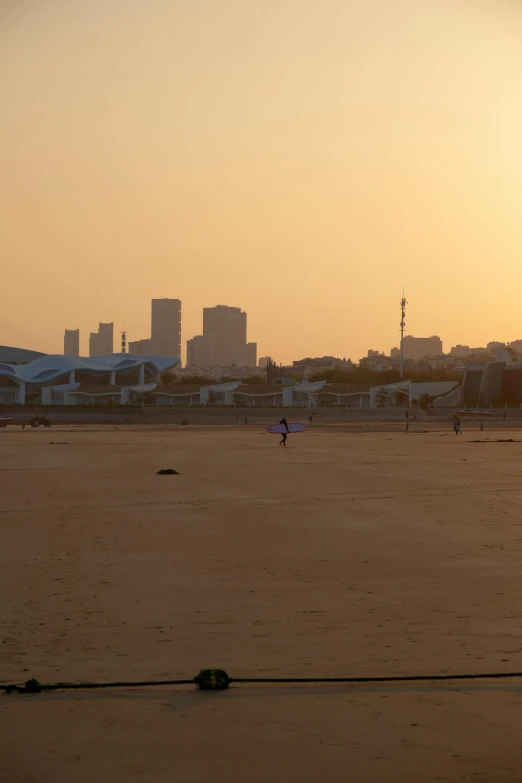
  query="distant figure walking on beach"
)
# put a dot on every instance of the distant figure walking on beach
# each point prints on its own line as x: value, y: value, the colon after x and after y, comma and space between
x: 456, y: 426
x: 482, y: 425
x: 407, y: 421
x: 310, y: 419
x: 285, y: 434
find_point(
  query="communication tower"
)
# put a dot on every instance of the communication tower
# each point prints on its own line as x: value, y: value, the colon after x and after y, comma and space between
x: 403, y: 324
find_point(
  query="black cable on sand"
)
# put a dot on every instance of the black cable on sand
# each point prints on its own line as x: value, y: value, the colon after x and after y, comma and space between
x: 218, y: 679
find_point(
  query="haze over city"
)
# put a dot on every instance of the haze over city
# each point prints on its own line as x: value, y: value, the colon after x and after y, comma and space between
x: 303, y: 161
x: 260, y: 390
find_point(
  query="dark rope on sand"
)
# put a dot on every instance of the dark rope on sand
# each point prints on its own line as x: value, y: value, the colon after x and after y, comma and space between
x: 218, y: 680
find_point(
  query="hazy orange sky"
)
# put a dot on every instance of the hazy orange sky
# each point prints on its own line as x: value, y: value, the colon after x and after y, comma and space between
x: 301, y: 159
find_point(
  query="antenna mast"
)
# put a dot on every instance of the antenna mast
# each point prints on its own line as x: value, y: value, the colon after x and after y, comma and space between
x: 124, y: 341
x: 403, y: 324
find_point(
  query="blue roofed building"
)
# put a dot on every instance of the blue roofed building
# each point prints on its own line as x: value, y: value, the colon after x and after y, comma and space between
x: 64, y: 380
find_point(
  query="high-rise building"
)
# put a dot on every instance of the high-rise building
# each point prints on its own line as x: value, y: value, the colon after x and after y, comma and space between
x: 199, y: 352
x: 166, y: 327
x: 228, y: 328
x: 101, y: 343
x: 420, y: 347
x: 224, y: 340
x: 94, y: 344
x: 165, y: 339
x: 251, y: 354
x: 71, y: 342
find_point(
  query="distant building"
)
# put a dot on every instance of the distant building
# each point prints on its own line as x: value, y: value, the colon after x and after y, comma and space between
x: 461, y: 351
x: 263, y: 361
x: 165, y: 339
x: 140, y: 347
x: 377, y: 361
x: 217, y: 372
x: 491, y: 349
x: 395, y: 353
x: 449, y: 362
x: 71, y: 342
x: 507, y: 354
x: 310, y: 366
x: 323, y: 362
x: 199, y: 353
x: 101, y: 343
x: 224, y: 339
x: 419, y: 347
x: 165, y: 330
x: 228, y: 328
x: 251, y: 354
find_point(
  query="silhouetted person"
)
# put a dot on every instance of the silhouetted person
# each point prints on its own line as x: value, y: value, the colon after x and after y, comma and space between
x: 407, y: 421
x: 285, y: 434
x: 310, y: 419
x: 482, y: 425
x: 456, y: 426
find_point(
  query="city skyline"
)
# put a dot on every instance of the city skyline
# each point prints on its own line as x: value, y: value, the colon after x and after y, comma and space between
x: 312, y: 201
x: 17, y: 335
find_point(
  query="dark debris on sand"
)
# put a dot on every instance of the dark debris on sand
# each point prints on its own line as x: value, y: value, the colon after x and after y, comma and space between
x: 501, y: 440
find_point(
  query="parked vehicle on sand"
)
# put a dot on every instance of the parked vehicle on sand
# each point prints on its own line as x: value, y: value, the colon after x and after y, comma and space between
x: 35, y: 421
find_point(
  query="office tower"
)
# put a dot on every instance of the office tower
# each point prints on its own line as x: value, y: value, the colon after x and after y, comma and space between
x: 251, y: 354
x: 166, y: 327
x: 228, y: 328
x: 101, y: 343
x: 94, y: 344
x: 71, y: 342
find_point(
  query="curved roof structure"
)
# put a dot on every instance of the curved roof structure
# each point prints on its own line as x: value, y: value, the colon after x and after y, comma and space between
x: 12, y: 355
x: 48, y: 368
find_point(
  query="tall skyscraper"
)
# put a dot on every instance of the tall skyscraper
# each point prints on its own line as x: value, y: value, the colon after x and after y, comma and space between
x: 224, y: 339
x: 71, y: 342
x: 101, y: 343
x: 166, y: 327
x: 251, y: 355
x: 228, y: 328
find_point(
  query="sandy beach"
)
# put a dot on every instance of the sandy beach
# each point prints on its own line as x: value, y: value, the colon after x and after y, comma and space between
x: 374, y: 553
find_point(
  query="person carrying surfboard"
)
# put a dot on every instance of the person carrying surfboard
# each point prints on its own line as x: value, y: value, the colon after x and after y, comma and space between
x: 284, y: 434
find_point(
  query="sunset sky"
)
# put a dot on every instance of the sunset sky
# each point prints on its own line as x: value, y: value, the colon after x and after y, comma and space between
x: 301, y: 159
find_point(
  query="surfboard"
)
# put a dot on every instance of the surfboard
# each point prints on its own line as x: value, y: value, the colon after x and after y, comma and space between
x: 278, y: 429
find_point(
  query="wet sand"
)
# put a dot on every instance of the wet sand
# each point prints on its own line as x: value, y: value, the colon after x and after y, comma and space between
x: 346, y: 554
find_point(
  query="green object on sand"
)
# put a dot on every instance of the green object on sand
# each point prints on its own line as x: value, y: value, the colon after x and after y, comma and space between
x: 212, y: 680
